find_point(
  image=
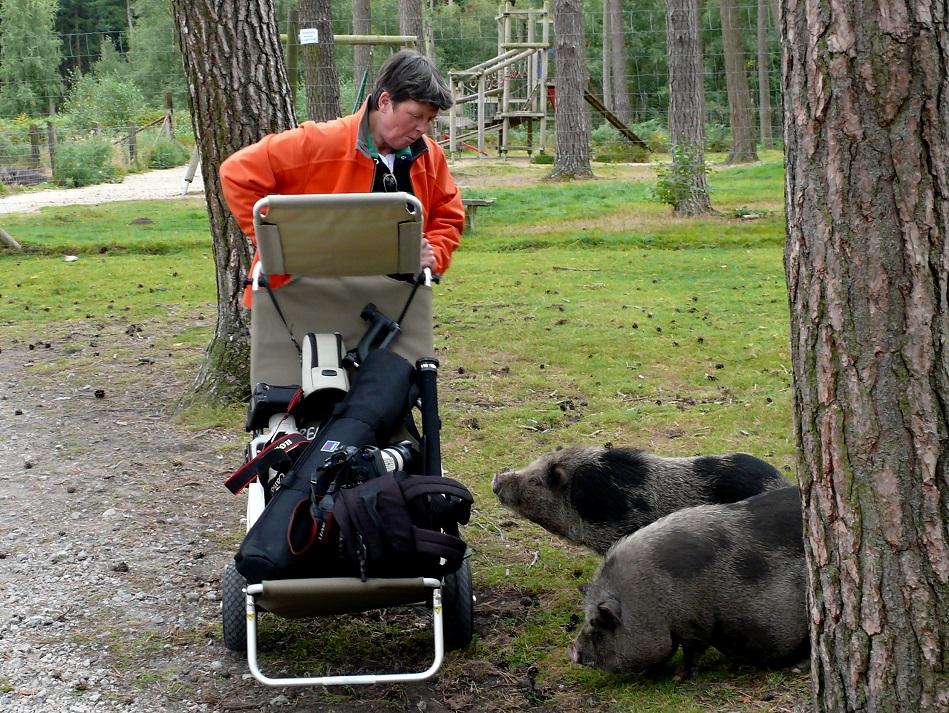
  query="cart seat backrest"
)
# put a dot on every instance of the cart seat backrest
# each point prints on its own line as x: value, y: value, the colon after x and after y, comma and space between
x: 336, y: 235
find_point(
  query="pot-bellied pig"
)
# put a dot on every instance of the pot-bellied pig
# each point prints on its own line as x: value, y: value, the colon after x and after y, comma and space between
x: 727, y: 576
x: 593, y: 496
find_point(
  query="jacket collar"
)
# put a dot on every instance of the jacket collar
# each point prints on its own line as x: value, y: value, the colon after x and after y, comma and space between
x: 364, y: 141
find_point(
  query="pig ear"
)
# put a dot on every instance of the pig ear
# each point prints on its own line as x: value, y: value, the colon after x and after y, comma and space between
x: 608, y: 614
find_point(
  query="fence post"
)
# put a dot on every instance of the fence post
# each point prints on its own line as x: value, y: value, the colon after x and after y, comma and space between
x: 132, y: 149
x: 51, y: 140
x: 34, y: 147
x: 169, y: 124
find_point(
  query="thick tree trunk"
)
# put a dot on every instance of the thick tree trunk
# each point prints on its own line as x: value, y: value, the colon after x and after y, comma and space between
x: 238, y: 91
x: 764, y: 77
x: 362, y: 54
x: 867, y: 262
x: 740, y: 110
x: 618, y: 39
x: 687, y: 96
x: 607, y: 57
x: 319, y: 61
x: 572, y: 159
x: 410, y: 20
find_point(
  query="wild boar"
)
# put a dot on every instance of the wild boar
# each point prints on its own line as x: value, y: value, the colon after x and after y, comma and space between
x: 593, y: 496
x: 725, y: 576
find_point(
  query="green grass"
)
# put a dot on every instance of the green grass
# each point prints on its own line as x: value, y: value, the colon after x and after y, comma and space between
x: 577, y: 313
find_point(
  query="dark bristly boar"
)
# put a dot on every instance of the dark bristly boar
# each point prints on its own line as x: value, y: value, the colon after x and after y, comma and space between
x: 726, y: 576
x: 593, y: 496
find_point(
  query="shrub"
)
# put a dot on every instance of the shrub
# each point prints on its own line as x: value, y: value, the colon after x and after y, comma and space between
x: 164, y: 152
x: 86, y: 163
x: 676, y: 180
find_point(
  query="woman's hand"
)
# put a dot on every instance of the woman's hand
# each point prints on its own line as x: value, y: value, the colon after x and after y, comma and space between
x: 428, y: 254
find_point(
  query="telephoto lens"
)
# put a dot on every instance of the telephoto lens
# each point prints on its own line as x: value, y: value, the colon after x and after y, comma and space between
x: 398, y: 456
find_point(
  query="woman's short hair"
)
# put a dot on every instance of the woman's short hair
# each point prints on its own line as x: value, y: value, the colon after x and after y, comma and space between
x: 410, y: 75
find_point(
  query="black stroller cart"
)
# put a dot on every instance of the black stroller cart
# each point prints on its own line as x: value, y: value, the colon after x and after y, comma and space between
x: 323, y: 349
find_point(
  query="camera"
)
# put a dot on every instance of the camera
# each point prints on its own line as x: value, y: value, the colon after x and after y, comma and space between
x: 349, y: 466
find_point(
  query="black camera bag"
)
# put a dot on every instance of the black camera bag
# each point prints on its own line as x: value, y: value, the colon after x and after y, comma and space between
x: 400, y: 525
x: 279, y: 545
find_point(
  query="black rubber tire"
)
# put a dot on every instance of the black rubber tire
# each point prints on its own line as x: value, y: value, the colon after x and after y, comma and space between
x: 458, y: 608
x: 234, y: 610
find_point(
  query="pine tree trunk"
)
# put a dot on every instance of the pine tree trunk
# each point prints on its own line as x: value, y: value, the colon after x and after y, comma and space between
x: 764, y: 77
x: 572, y: 159
x: 410, y: 20
x: 687, y: 95
x: 362, y: 54
x: 867, y: 263
x: 607, y: 58
x: 319, y: 62
x: 618, y: 39
x: 237, y: 96
x: 740, y: 110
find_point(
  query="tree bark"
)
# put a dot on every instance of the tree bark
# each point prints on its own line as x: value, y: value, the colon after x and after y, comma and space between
x: 410, y: 20
x: 319, y: 61
x: 867, y: 264
x: 764, y: 77
x: 362, y: 54
x: 741, y: 114
x: 618, y: 39
x: 238, y: 91
x: 687, y: 96
x: 572, y: 159
x: 607, y: 58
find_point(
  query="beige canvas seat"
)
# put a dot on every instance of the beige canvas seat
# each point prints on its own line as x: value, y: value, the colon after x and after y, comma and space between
x: 340, y: 250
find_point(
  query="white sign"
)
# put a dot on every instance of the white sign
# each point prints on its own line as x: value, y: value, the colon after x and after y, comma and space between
x: 309, y: 36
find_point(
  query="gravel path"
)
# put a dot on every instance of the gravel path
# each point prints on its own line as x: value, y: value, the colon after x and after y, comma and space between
x: 166, y: 183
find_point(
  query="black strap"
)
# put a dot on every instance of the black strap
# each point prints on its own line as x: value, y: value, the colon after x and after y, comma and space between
x: 262, y: 281
x: 283, y: 450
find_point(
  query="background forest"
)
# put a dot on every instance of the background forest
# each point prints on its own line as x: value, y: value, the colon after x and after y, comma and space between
x: 83, y: 76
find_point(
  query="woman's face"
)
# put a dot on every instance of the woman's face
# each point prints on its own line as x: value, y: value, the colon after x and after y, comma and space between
x: 400, y: 124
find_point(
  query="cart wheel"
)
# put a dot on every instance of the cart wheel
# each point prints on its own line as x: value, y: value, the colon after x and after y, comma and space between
x: 458, y: 608
x: 234, y: 610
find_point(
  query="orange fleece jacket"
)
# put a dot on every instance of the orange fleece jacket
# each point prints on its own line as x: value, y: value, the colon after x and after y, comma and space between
x: 333, y: 157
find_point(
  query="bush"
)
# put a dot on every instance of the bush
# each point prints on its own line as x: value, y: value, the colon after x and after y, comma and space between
x: 676, y: 181
x: 655, y: 134
x: 86, y: 163
x: 110, y: 101
x: 164, y: 152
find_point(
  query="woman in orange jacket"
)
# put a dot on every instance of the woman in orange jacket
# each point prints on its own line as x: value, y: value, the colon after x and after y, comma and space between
x: 382, y: 147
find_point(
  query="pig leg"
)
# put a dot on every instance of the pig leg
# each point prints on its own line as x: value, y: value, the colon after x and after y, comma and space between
x: 691, y: 653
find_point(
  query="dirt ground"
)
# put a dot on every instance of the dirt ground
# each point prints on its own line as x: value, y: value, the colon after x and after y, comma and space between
x: 114, y: 534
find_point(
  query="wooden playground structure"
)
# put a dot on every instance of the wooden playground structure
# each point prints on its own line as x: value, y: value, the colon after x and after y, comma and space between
x: 511, y: 88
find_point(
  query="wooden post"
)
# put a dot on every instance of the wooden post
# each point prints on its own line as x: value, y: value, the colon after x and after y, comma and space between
x: 51, y: 141
x: 34, y: 147
x: 169, y: 124
x: 5, y: 239
x: 132, y: 147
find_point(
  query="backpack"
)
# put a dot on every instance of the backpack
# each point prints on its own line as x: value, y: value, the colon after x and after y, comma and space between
x: 400, y: 525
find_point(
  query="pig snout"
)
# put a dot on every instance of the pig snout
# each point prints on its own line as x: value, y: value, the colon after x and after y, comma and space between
x: 497, y: 483
x: 577, y: 656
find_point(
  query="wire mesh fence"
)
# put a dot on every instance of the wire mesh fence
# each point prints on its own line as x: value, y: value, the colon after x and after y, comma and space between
x: 125, y: 99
